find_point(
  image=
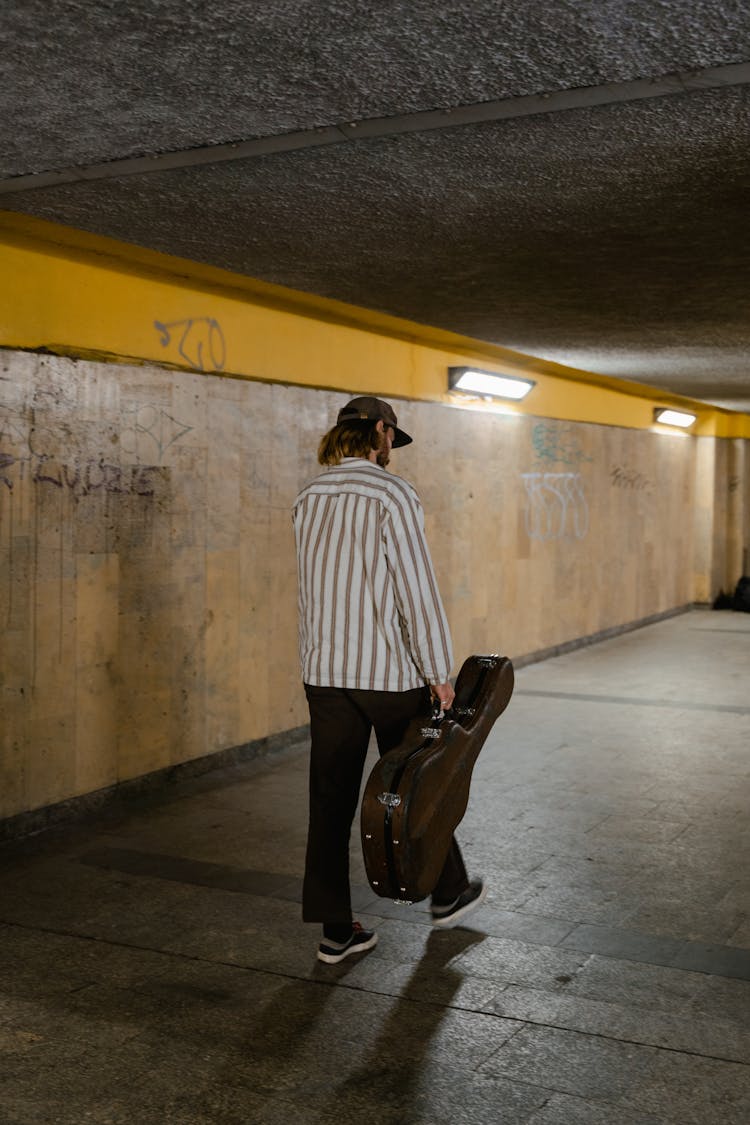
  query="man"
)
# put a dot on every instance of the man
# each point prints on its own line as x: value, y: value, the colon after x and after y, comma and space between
x: 374, y: 646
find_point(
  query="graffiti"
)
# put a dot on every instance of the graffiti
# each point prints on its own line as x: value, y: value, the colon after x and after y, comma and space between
x: 734, y: 484
x: 81, y: 479
x: 146, y: 422
x: 57, y: 456
x: 629, y: 478
x: 29, y: 434
x: 197, y: 340
x: 557, y: 444
x: 5, y: 462
x: 556, y: 506
x: 13, y: 428
x: 17, y: 441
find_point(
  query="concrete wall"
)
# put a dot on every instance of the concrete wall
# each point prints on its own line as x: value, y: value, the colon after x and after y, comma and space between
x: 147, y: 573
x: 721, y: 546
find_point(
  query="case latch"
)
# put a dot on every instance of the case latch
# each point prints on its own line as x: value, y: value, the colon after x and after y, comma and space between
x: 390, y: 800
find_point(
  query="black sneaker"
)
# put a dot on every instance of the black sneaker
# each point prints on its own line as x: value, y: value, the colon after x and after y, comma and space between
x: 333, y: 951
x: 450, y: 913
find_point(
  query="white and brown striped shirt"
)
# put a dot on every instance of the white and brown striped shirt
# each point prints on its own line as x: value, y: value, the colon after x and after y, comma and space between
x: 370, y: 613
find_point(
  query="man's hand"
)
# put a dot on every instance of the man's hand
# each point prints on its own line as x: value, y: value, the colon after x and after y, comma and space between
x: 444, y: 694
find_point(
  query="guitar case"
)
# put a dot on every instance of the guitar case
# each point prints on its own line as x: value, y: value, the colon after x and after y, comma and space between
x: 417, y: 793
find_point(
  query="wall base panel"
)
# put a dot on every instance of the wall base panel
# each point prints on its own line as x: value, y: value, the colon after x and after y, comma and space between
x: 127, y: 796
x: 603, y: 635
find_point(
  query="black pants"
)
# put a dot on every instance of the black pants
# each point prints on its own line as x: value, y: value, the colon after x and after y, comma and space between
x: 341, y: 721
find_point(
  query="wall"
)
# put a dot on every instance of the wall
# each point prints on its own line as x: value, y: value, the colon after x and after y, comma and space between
x: 148, y: 575
x: 721, y: 544
x: 156, y: 421
x: 737, y: 511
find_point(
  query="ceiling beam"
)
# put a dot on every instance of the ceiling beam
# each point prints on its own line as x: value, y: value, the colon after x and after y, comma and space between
x: 682, y: 82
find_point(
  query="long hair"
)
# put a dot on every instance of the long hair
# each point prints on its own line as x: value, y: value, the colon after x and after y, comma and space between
x: 350, y: 439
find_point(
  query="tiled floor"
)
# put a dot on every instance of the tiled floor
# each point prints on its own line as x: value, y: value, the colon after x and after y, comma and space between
x: 155, y: 969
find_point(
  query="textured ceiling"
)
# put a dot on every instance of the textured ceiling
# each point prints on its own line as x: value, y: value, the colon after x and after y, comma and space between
x: 605, y: 228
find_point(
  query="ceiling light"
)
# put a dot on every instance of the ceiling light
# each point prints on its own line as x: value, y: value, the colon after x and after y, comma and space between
x: 471, y: 381
x: 673, y: 417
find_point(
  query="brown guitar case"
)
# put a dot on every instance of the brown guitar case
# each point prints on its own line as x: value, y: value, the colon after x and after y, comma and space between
x: 417, y: 793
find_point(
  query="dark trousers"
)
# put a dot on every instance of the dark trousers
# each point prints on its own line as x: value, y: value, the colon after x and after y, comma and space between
x: 341, y: 721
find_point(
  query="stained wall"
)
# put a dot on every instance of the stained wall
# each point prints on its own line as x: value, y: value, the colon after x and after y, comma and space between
x: 147, y: 571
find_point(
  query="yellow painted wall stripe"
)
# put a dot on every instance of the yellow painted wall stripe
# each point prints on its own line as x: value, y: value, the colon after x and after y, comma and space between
x: 80, y: 294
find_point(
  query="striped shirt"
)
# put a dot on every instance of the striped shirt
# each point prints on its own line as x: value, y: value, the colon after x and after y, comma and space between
x: 370, y: 613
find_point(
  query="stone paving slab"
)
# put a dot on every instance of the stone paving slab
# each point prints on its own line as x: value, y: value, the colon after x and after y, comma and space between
x: 697, y: 1034
x: 563, y: 1109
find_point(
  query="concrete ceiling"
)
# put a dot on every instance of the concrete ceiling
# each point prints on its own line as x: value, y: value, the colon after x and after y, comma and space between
x: 570, y: 179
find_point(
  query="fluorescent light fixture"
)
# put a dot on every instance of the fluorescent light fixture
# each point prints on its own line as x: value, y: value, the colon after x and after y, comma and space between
x: 471, y: 381
x: 673, y: 417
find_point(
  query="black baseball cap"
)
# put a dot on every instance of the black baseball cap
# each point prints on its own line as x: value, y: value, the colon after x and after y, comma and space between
x: 367, y: 408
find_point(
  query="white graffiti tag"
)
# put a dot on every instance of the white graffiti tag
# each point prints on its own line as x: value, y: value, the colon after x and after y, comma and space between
x: 556, y: 506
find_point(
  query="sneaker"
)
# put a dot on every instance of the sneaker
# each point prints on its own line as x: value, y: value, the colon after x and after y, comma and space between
x: 334, y: 951
x: 450, y: 913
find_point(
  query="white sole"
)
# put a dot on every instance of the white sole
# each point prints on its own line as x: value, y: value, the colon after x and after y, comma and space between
x: 453, y: 919
x: 334, y: 958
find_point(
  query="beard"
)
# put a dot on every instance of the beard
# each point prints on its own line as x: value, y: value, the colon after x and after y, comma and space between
x: 383, y: 455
